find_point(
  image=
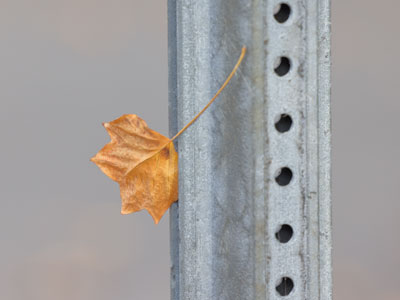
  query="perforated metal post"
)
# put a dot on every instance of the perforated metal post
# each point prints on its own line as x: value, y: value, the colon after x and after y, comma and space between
x: 253, y: 218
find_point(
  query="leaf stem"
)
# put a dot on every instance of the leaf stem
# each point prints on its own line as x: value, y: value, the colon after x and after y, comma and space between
x: 216, y: 95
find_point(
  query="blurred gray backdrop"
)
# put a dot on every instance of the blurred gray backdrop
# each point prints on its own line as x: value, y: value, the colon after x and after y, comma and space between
x: 68, y: 65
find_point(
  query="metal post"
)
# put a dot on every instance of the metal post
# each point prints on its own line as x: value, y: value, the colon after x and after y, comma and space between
x: 253, y: 217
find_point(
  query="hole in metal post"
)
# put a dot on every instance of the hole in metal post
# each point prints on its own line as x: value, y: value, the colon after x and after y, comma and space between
x: 284, y: 176
x: 282, y: 13
x: 285, y: 286
x: 284, y: 234
x: 282, y: 66
x: 284, y: 124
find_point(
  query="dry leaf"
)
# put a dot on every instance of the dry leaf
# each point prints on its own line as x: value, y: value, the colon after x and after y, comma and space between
x: 144, y: 162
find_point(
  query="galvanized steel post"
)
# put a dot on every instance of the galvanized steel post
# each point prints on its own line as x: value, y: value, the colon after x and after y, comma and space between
x: 253, y: 218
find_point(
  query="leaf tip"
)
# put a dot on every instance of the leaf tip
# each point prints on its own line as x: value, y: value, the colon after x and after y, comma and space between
x: 156, y: 220
x: 156, y: 217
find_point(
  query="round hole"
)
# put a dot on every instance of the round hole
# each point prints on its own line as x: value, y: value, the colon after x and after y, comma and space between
x: 282, y: 12
x: 284, y: 123
x: 284, y: 176
x: 285, y: 287
x: 284, y: 234
x: 282, y: 66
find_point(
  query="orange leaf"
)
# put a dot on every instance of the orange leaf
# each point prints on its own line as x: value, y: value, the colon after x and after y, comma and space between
x: 144, y: 162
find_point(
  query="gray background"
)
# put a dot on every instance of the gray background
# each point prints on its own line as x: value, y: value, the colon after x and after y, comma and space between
x: 68, y: 65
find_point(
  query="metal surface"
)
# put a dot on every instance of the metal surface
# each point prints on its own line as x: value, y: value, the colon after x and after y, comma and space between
x: 224, y: 242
